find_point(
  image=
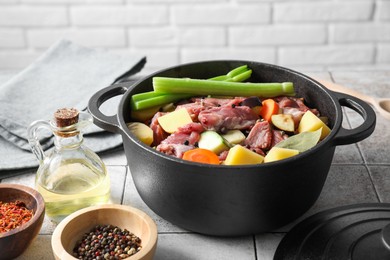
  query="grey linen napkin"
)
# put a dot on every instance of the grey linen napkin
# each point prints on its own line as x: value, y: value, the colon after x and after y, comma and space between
x: 66, y: 75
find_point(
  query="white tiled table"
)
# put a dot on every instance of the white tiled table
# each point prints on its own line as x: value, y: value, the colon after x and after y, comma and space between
x: 359, y: 173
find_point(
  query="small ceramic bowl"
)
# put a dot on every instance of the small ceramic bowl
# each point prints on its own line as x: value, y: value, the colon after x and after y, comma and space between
x: 14, y: 242
x: 74, y: 226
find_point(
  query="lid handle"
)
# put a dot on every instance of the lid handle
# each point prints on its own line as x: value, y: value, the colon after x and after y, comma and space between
x: 386, y: 236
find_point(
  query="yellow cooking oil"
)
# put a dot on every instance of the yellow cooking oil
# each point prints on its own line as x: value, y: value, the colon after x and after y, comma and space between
x: 72, y: 185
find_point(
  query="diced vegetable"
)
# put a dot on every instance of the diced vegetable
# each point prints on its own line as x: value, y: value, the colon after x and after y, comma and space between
x: 278, y: 153
x: 234, y: 136
x: 310, y: 122
x: 172, y: 121
x: 212, y: 87
x: 201, y: 156
x: 284, y: 122
x: 168, y: 107
x: 251, y: 102
x: 142, y: 132
x: 212, y: 141
x: 269, y: 108
x: 239, y: 155
x: 144, y: 114
x: 301, y: 142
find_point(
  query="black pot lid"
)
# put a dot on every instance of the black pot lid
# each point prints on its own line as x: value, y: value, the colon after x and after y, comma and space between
x: 357, y: 232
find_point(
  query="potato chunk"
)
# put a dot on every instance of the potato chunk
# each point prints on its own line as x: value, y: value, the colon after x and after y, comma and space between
x: 310, y: 122
x: 172, y: 121
x: 278, y: 153
x: 239, y: 155
x: 142, y: 132
x: 234, y: 136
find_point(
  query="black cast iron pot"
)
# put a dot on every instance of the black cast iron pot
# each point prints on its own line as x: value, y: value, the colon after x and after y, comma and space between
x: 233, y: 200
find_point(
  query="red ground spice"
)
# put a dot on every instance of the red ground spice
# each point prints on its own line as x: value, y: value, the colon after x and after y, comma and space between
x: 13, y: 215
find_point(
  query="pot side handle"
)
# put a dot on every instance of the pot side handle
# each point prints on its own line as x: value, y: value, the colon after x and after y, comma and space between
x: 109, y: 123
x: 349, y: 136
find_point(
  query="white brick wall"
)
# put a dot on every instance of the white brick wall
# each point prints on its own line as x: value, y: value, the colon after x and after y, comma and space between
x: 298, y: 34
x: 323, y: 11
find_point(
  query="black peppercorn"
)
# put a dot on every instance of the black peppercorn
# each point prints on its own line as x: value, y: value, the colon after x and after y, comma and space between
x: 107, y: 242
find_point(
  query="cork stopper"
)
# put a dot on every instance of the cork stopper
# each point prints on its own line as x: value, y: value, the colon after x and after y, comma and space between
x: 66, y: 117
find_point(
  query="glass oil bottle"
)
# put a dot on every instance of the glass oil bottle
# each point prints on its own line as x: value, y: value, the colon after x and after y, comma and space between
x: 71, y: 176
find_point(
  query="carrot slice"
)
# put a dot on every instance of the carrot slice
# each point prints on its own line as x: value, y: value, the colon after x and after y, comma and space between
x: 201, y: 155
x: 269, y: 108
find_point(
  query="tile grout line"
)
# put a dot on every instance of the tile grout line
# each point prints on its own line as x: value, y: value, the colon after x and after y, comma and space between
x: 364, y: 163
x: 254, y: 246
x: 372, y: 183
x: 124, y: 185
x: 361, y: 164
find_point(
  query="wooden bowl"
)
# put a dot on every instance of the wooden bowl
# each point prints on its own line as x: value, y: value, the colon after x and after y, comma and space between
x: 74, y: 226
x: 13, y: 243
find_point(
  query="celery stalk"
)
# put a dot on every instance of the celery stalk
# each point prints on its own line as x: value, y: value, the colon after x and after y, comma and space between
x: 158, y: 99
x: 145, y: 95
x: 242, y: 76
x: 167, y: 90
x: 221, y: 78
x: 153, y: 98
x: 238, y: 74
x: 237, y: 71
x: 211, y: 87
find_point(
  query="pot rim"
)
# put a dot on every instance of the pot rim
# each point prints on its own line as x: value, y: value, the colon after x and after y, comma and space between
x: 322, y: 145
